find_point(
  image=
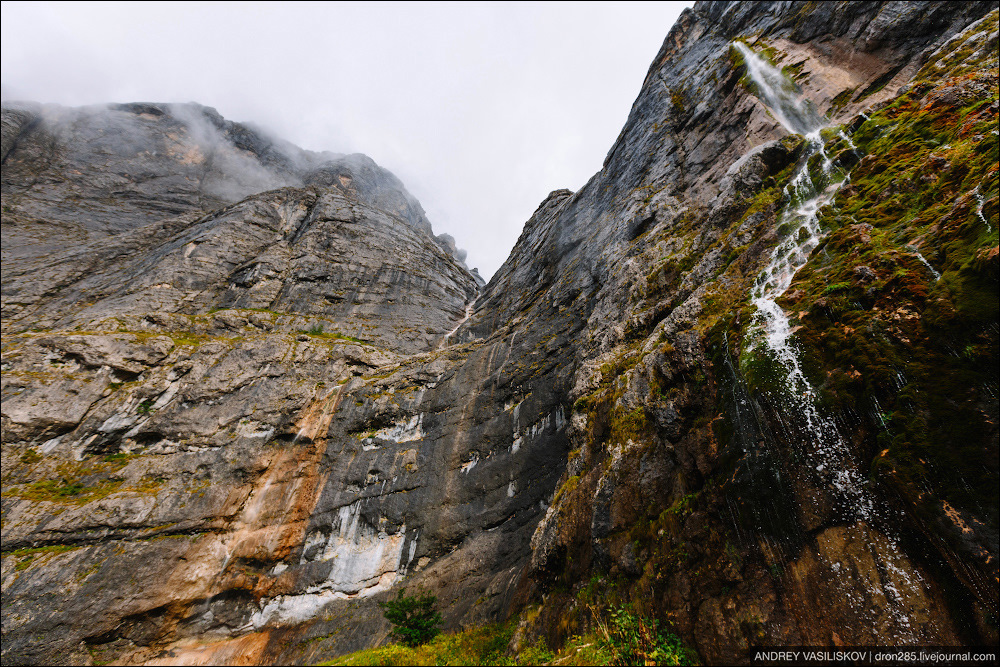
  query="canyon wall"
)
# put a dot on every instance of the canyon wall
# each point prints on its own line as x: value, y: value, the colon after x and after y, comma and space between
x: 248, y: 394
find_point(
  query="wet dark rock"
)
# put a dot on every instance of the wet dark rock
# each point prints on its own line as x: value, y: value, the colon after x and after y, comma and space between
x: 248, y: 393
x: 864, y: 273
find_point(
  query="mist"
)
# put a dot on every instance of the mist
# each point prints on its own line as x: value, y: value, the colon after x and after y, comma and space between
x: 480, y: 109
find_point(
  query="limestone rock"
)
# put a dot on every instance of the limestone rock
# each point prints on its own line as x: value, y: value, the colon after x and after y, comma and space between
x: 246, y: 397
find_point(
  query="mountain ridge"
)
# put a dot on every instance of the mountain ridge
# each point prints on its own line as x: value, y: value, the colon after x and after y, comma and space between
x: 277, y: 453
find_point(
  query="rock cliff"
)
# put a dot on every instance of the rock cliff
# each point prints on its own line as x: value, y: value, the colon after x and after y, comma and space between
x: 744, y: 379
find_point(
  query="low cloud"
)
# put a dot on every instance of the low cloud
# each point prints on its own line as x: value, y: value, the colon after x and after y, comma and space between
x: 480, y: 109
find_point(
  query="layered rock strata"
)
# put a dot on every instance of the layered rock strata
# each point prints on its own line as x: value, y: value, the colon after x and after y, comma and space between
x: 234, y: 425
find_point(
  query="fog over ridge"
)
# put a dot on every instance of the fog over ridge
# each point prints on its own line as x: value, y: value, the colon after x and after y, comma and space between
x: 479, y: 109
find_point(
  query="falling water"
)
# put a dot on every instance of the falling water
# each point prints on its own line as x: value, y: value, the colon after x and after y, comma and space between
x: 923, y: 260
x: 469, y: 307
x: 780, y: 95
x: 769, y: 335
x: 980, y: 202
x: 801, y: 220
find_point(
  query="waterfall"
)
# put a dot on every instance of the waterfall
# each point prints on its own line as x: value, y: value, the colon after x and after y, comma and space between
x: 469, y: 307
x: 769, y: 337
x: 980, y: 202
x: 780, y: 94
x: 770, y: 332
x: 923, y: 260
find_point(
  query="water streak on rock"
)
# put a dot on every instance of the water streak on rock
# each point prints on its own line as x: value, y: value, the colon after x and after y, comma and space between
x: 770, y: 334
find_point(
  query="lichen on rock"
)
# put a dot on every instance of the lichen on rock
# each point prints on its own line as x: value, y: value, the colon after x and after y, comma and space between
x: 247, y: 399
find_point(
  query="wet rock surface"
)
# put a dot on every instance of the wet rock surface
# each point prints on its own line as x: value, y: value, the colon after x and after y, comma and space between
x: 247, y: 392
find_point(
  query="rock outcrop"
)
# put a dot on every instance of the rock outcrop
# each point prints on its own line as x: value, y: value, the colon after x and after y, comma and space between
x: 247, y: 392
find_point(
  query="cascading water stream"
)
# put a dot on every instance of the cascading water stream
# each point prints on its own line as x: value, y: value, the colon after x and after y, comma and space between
x: 780, y: 95
x: 803, y: 233
x: 980, y: 202
x: 923, y: 260
x: 469, y: 307
x: 770, y: 334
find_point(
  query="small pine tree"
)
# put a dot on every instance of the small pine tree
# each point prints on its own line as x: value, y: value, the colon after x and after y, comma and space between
x: 415, y: 620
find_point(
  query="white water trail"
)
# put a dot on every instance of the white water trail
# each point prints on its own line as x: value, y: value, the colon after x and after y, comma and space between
x: 980, y: 202
x: 469, y: 307
x: 770, y: 333
x: 802, y: 233
x: 923, y: 260
x: 780, y: 94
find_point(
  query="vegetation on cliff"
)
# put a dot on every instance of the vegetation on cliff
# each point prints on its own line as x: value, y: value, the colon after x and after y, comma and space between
x: 898, y: 308
x: 237, y: 431
x: 618, y: 637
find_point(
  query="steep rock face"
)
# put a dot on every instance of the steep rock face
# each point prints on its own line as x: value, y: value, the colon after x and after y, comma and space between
x: 163, y: 366
x: 243, y: 483
x: 321, y: 258
x: 139, y: 173
x: 690, y: 489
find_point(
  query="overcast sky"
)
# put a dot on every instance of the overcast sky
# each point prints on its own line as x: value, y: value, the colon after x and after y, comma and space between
x: 480, y: 109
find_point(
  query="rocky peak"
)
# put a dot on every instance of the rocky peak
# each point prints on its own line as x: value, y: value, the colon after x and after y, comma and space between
x: 234, y: 424
x: 165, y: 199
x: 170, y: 159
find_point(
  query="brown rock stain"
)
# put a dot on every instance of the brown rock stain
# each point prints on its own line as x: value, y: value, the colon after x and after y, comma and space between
x: 854, y: 578
x: 271, y: 518
x: 245, y: 650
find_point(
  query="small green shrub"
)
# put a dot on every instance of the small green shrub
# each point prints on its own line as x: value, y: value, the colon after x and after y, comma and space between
x: 63, y: 488
x: 634, y: 640
x: 480, y: 645
x: 536, y: 654
x: 413, y: 616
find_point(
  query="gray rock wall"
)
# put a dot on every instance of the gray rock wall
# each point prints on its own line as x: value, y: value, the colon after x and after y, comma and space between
x: 234, y: 420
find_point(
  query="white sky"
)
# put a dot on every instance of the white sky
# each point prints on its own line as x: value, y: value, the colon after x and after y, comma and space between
x: 480, y: 109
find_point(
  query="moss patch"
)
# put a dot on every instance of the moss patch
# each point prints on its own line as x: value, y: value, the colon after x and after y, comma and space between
x: 898, y: 307
x: 483, y: 645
